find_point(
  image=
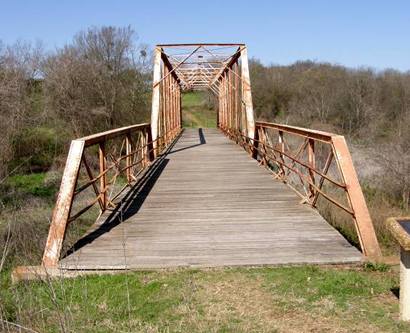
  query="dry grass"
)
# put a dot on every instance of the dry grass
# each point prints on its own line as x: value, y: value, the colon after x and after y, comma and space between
x: 196, y: 112
x: 242, y: 304
x: 282, y: 299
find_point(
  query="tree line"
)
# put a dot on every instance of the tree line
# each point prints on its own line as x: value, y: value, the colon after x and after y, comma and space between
x: 369, y: 107
x: 99, y: 80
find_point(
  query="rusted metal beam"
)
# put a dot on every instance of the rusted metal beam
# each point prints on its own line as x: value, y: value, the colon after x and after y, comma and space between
x: 103, y: 179
x: 312, y: 164
x: 63, y: 205
x: 350, y: 183
x: 307, y: 133
x: 229, y: 63
x: 246, y: 92
x: 200, y: 44
x: 167, y: 63
x: 156, y: 99
x: 103, y: 136
x: 364, y: 225
x: 156, y: 83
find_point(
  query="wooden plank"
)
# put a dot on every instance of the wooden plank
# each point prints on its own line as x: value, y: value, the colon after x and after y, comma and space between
x: 211, y: 205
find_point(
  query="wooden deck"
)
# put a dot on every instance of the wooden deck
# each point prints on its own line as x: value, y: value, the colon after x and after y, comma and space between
x: 206, y: 204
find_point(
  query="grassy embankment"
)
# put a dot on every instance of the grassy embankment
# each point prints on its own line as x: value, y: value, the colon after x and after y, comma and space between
x: 196, y: 111
x: 286, y: 299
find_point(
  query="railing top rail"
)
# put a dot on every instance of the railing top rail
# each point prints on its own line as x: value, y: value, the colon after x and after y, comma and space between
x: 314, y: 134
x: 102, y: 136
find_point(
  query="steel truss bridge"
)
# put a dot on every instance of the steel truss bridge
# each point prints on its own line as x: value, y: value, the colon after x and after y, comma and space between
x: 246, y: 193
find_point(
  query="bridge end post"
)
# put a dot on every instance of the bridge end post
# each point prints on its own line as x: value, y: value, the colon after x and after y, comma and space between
x: 156, y: 99
x: 247, y: 94
x: 363, y: 222
x: 63, y: 205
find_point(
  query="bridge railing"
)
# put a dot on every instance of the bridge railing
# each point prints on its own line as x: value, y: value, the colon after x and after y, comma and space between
x: 317, y: 165
x: 99, y: 168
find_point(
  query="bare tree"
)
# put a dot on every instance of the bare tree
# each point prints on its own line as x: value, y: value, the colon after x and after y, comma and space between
x: 99, y: 81
x: 395, y: 159
x: 19, y: 65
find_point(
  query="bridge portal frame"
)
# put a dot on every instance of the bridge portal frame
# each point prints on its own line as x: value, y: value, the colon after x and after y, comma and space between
x: 220, y: 68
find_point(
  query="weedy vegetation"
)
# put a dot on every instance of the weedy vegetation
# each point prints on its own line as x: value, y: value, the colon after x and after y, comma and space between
x: 282, y: 299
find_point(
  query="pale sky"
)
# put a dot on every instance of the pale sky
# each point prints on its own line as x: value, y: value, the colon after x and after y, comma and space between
x: 352, y: 33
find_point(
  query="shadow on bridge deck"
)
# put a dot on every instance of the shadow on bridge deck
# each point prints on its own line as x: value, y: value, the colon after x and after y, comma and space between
x: 207, y: 203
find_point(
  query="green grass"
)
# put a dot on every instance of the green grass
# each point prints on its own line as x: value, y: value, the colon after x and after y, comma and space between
x: 281, y: 299
x: 195, y: 111
x: 41, y: 144
x: 191, y: 99
x: 19, y: 189
x: 34, y: 184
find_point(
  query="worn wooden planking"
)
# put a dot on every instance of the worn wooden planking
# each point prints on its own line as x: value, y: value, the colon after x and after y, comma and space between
x: 210, y: 205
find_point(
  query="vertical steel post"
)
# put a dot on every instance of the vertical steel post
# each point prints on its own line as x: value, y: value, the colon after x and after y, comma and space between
x: 255, y: 144
x: 103, y: 178
x: 246, y: 94
x: 156, y: 99
x: 128, y: 160
x: 166, y: 105
x: 219, y: 114
x: 312, y: 163
x: 179, y: 107
x: 282, y: 149
x: 235, y: 69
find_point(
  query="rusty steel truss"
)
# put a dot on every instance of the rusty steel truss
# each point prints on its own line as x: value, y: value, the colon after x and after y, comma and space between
x: 100, y: 168
x: 220, y: 68
x: 318, y: 166
x: 302, y: 158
